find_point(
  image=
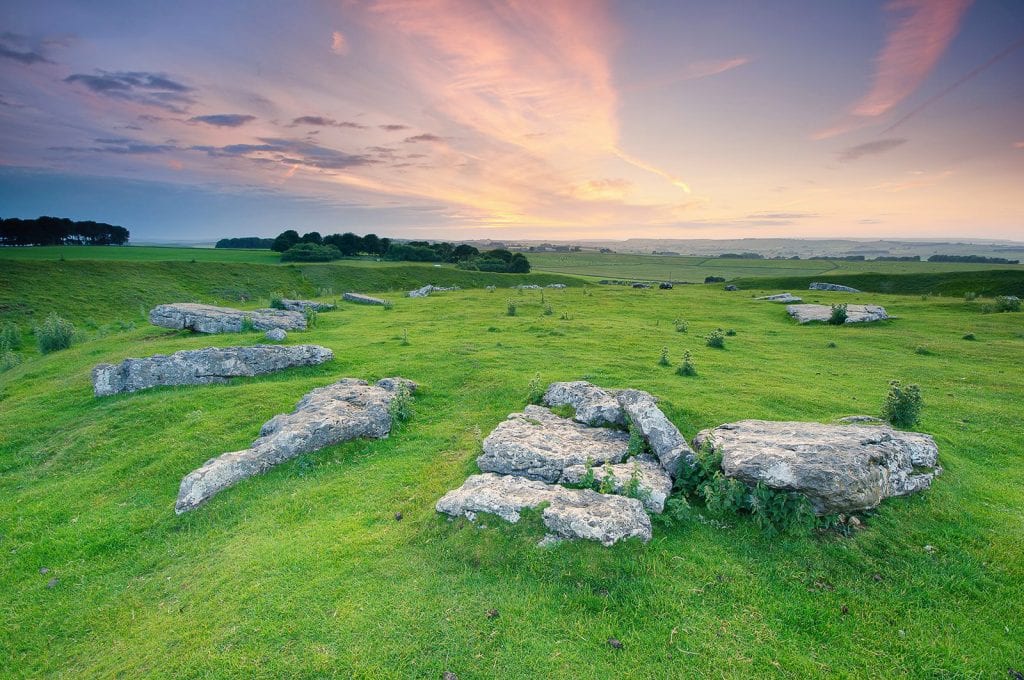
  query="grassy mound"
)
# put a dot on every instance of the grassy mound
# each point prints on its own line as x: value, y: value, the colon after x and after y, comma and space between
x: 988, y: 283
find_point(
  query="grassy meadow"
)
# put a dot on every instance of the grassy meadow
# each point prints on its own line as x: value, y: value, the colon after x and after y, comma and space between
x: 305, y: 572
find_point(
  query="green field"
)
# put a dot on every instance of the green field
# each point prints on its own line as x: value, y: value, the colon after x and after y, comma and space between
x: 694, y: 269
x: 304, y: 571
x: 140, y: 254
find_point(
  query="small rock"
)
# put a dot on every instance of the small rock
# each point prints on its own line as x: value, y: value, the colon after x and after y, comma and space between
x: 854, y: 522
x: 665, y: 286
x: 492, y: 613
x: 398, y: 516
x: 277, y: 335
x: 549, y: 541
x: 614, y: 643
x: 877, y: 577
x: 44, y: 570
x: 929, y: 549
x: 731, y: 287
x: 52, y: 583
x: 1015, y: 674
x: 448, y: 675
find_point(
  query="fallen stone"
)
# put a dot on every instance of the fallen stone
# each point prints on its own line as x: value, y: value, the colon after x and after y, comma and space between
x: 570, y: 513
x: 854, y: 313
x: 527, y: 286
x: 840, y: 468
x: 428, y: 289
x: 653, y: 484
x: 202, y: 366
x: 665, y: 285
x: 861, y: 419
x: 346, y: 410
x: 641, y: 285
x: 594, y: 406
x: 210, y: 319
x: 731, y: 287
x: 833, y: 287
x: 556, y: 285
x: 781, y: 297
x: 276, y: 335
x: 539, y: 445
x: 664, y: 438
x: 361, y: 299
x: 305, y: 305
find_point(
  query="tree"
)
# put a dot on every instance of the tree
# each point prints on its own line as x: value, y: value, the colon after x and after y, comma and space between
x: 518, y: 264
x: 349, y: 244
x: 310, y: 252
x: 464, y: 251
x: 371, y: 245
x: 285, y: 240
x: 312, y: 237
x: 498, y: 254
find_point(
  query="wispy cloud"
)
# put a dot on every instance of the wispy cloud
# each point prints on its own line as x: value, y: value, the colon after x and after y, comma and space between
x: 27, y: 57
x: 425, y: 137
x: 393, y: 127
x: 224, y: 119
x: 118, y: 146
x: 141, y: 87
x: 289, y: 152
x: 922, y: 30
x: 339, y: 45
x: 783, y: 215
x: 874, y: 148
x: 1018, y: 145
x: 694, y: 71
x: 320, y: 121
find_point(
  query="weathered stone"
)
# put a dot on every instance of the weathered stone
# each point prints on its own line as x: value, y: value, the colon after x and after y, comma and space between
x: 641, y: 285
x: 363, y: 299
x: 527, y: 286
x: 305, y: 305
x: 210, y: 319
x: 781, y: 297
x: 428, y: 289
x: 665, y: 285
x: 202, y: 366
x: 652, y: 482
x: 833, y: 287
x: 328, y: 415
x: 538, y: 444
x: 594, y: 406
x: 556, y: 285
x: 731, y: 287
x: 664, y: 438
x: 276, y: 335
x: 854, y: 313
x: 570, y: 513
x: 861, y: 419
x: 840, y: 468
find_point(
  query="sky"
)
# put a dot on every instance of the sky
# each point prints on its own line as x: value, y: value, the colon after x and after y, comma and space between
x: 517, y: 119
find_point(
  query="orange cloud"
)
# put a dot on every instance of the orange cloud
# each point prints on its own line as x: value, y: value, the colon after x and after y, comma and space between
x: 339, y: 45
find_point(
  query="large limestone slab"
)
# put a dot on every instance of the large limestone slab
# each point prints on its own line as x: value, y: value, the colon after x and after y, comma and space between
x: 835, y: 287
x: 570, y: 513
x: 211, y: 319
x: 594, y: 406
x: 361, y: 299
x: 426, y: 290
x: 328, y: 415
x: 539, y: 445
x: 653, y: 484
x: 854, y: 313
x: 305, y: 305
x: 788, y: 298
x: 664, y: 438
x: 202, y: 366
x: 840, y: 468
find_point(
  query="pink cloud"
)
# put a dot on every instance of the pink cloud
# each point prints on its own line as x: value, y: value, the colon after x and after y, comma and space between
x: 339, y: 45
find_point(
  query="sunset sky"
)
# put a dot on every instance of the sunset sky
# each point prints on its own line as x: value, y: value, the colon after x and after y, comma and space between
x: 467, y: 119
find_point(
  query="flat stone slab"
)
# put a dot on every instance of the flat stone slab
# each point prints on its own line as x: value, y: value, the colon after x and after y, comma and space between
x: 202, y: 366
x: 833, y: 287
x: 361, y: 299
x: 653, y: 484
x: 594, y: 405
x: 854, y: 313
x: 539, y: 445
x: 664, y: 438
x: 428, y: 289
x: 211, y: 319
x: 781, y: 297
x: 570, y: 513
x: 840, y: 468
x: 348, y: 409
x: 305, y: 305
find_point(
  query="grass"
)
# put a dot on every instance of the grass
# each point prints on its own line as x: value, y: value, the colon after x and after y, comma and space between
x: 989, y: 283
x: 141, y: 254
x: 695, y: 269
x: 304, y: 571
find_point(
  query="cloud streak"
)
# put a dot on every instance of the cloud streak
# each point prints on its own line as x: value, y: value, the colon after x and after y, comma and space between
x: 231, y: 120
x: 874, y: 148
x: 141, y: 87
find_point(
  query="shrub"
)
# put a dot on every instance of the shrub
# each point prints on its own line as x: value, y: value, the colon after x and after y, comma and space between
x: 969, y: 336
x: 681, y: 325
x: 535, y: 390
x: 548, y: 310
x: 10, y: 337
x: 275, y: 303
x: 902, y: 404
x: 565, y: 316
x: 312, y: 318
x: 400, y: 407
x: 247, y: 325
x: 1007, y: 303
x: 970, y: 296
x: 8, y: 360
x: 405, y: 337
x: 311, y: 252
x: 716, y: 339
x: 731, y: 332
x: 637, y: 443
x: 663, y: 361
x: 831, y: 345
x: 921, y: 349
x: 510, y: 307
x: 687, y: 367
x: 388, y: 305
x: 838, y: 317
x: 55, y: 334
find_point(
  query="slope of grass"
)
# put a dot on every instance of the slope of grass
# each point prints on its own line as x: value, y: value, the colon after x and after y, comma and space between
x: 988, y: 283
x: 140, y: 254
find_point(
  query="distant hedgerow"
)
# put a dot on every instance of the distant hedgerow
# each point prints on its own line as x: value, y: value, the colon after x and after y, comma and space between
x: 54, y: 334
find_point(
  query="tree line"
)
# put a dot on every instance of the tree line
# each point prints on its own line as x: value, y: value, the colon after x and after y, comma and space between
x: 973, y: 259
x: 255, y: 242
x: 56, y: 231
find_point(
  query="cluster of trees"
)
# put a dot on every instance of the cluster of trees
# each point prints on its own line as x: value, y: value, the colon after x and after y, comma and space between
x: 973, y: 259
x: 898, y: 258
x: 313, y: 247
x: 742, y: 256
x: 56, y: 231
x: 246, y: 242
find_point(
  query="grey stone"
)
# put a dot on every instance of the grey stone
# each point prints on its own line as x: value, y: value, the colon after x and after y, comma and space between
x: 664, y: 438
x: 854, y: 313
x: 202, y: 366
x: 731, y: 287
x: 210, y: 319
x: 328, y: 415
x: 781, y: 297
x: 556, y: 285
x: 861, y: 419
x: 363, y: 299
x: 833, y: 287
x: 276, y: 335
x: 305, y: 305
x: 840, y: 468
x: 594, y: 406
x: 527, y: 286
x: 428, y: 289
x: 539, y: 445
x: 570, y: 513
x: 653, y: 483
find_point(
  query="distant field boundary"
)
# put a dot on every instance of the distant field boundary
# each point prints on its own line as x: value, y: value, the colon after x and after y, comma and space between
x: 986, y: 282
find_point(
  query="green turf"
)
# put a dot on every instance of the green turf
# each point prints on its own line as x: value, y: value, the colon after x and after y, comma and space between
x: 695, y: 269
x: 304, y: 572
x: 141, y: 253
